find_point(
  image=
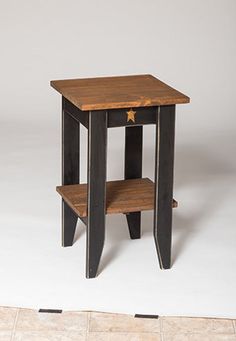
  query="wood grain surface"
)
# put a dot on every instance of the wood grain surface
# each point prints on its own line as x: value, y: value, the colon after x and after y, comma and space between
x: 118, y: 92
x: 122, y: 196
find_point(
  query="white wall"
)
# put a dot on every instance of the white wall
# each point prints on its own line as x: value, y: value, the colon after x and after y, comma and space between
x: 187, y: 43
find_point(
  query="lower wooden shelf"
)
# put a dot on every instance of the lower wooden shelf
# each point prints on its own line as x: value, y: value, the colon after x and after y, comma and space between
x: 122, y: 196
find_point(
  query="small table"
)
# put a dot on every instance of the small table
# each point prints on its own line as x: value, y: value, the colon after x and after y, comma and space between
x: 98, y: 104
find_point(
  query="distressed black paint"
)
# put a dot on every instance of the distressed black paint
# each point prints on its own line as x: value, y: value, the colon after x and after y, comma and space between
x: 133, y: 170
x: 118, y: 117
x: 97, y: 143
x: 165, y: 131
x: 70, y: 171
x: 76, y: 113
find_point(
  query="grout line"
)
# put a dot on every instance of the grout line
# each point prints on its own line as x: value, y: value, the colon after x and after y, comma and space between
x: 124, y: 331
x: 88, y: 323
x: 14, y: 325
x: 161, y: 328
x: 161, y: 324
x: 234, y: 325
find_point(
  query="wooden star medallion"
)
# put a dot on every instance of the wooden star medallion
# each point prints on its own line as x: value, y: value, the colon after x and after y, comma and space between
x: 131, y: 115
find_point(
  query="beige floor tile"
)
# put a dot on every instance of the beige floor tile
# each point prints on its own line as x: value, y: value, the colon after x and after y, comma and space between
x: 213, y: 337
x: 31, y: 320
x: 5, y: 335
x: 49, y: 336
x: 102, y: 322
x: 7, y: 318
x: 199, y: 337
x: 175, y: 337
x: 180, y: 325
x: 222, y: 326
x: 234, y: 322
x: 101, y: 336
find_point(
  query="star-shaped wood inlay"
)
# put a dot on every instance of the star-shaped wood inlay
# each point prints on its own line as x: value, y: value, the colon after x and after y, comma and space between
x: 131, y: 115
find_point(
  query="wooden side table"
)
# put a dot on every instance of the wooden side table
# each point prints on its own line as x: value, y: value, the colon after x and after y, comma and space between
x: 98, y: 104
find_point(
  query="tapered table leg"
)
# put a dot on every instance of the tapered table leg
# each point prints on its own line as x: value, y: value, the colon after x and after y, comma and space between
x: 70, y: 171
x: 97, y: 143
x: 133, y: 170
x: 165, y: 131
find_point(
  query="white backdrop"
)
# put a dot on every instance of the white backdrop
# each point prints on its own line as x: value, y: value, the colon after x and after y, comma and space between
x: 190, y: 45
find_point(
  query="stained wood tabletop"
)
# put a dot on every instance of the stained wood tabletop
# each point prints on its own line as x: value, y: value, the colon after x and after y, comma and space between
x: 118, y: 92
x: 122, y: 196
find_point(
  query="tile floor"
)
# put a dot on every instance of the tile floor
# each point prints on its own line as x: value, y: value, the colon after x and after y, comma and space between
x: 30, y: 325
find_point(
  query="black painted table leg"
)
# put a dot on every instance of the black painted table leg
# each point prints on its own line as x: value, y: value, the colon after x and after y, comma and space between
x: 70, y: 171
x: 133, y: 170
x: 97, y: 145
x: 165, y: 131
